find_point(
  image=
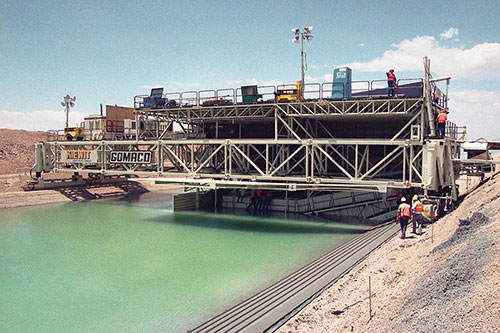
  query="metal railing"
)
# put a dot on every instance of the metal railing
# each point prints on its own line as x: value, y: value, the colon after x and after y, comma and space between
x: 452, y: 130
x: 407, y: 87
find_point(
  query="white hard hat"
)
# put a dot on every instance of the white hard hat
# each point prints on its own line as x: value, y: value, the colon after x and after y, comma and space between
x: 403, y: 199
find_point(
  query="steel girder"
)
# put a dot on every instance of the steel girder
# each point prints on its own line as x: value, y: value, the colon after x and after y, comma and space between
x: 290, y: 109
x: 317, y: 163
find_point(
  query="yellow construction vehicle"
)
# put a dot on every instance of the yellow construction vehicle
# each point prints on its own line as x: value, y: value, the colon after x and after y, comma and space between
x: 71, y: 133
x: 290, y: 94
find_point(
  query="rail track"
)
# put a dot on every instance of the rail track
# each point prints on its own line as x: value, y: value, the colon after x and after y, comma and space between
x: 270, y: 308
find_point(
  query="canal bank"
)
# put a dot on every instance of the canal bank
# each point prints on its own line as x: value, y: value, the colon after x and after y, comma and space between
x: 13, y: 196
x: 445, y: 280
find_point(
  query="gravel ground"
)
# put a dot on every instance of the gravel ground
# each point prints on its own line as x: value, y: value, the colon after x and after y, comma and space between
x: 12, y: 196
x: 446, y: 280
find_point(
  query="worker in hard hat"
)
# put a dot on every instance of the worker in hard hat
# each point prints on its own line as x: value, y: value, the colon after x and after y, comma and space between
x: 441, y: 120
x: 417, y: 208
x: 404, y: 214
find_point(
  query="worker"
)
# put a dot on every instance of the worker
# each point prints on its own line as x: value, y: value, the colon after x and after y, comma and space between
x: 240, y: 195
x: 404, y: 214
x: 259, y: 200
x: 267, y: 202
x: 391, y: 82
x: 253, y: 201
x: 417, y: 218
x: 441, y: 120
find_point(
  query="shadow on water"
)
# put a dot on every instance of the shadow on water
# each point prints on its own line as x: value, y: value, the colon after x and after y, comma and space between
x: 122, y: 191
x: 155, y: 200
x: 256, y: 224
x: 242, y: 220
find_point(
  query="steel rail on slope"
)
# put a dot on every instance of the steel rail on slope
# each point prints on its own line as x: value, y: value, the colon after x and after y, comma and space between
x: 263, y: 310
x: 298, y: 280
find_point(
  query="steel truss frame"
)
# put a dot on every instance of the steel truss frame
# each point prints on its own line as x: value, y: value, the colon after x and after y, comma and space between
x: 254, y: 112
x: 312, y: 163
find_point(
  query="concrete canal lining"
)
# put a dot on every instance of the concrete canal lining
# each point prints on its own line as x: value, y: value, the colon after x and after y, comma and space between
x: 268, y: 309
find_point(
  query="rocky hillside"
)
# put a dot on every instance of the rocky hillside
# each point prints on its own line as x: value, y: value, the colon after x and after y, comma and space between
x: 17, y: 149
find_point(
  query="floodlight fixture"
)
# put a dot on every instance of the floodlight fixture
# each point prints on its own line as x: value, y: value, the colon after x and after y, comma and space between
x: 67, y: 103
x: 301, y: 36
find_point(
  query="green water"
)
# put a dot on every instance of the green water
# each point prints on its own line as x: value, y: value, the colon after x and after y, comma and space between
x: 136, y: 266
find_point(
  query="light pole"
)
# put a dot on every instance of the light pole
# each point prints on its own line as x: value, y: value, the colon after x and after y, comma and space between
x: 67, y: 103
x: 300, y: 36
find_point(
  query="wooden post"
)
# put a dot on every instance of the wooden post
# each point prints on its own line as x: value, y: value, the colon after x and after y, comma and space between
x: 432, y: 232
x: 370, y: 294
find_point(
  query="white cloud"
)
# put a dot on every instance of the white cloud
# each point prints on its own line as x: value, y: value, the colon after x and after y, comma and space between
x: 319, y: 79
x: 274, y: 82
x: 328, y: 77
x: 479, y: 62
x: 476, y: 96
x: 479, y: 110
x: 309, y: 78
x: 361, y: 44
x: 38, y: 120
x: 448, y: 34
x: 253, y: 81
x: 233, y: 83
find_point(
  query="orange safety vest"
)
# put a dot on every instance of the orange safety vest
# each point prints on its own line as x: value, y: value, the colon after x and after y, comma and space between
x: 418, y: 207
x: 442, y: 117
x: 404, y: 210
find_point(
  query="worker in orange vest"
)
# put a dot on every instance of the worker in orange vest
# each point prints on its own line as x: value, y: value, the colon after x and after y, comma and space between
x: 404, y: 214
x: 441, y: 119
x: 417, y: 208
x: 391, y: 82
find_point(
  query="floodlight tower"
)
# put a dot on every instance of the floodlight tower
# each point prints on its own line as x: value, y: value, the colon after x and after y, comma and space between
x: 300, y: 36
x: 68, y: 102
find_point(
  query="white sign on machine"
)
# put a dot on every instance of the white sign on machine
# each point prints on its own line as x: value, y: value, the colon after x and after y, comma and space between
x: 130, y: 157
x: 85, y: 156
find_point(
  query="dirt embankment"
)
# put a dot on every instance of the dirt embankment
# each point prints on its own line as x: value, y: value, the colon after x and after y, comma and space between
x: 446, y: 280
x: 17, y: 150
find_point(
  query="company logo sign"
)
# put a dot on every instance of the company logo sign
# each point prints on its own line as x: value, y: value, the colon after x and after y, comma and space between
x: 89, y: 156
x: 130, y: 157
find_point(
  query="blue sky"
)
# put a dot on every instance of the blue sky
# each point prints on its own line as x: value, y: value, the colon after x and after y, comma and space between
x: 109, y: 51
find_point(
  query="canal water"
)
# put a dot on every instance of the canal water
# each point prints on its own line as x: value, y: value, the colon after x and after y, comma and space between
x: 137, y: 266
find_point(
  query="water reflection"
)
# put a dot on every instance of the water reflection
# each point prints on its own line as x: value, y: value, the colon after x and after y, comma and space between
x: 253, y: 224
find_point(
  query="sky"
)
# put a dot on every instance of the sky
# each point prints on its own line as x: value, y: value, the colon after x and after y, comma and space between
x: 110, y: 51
